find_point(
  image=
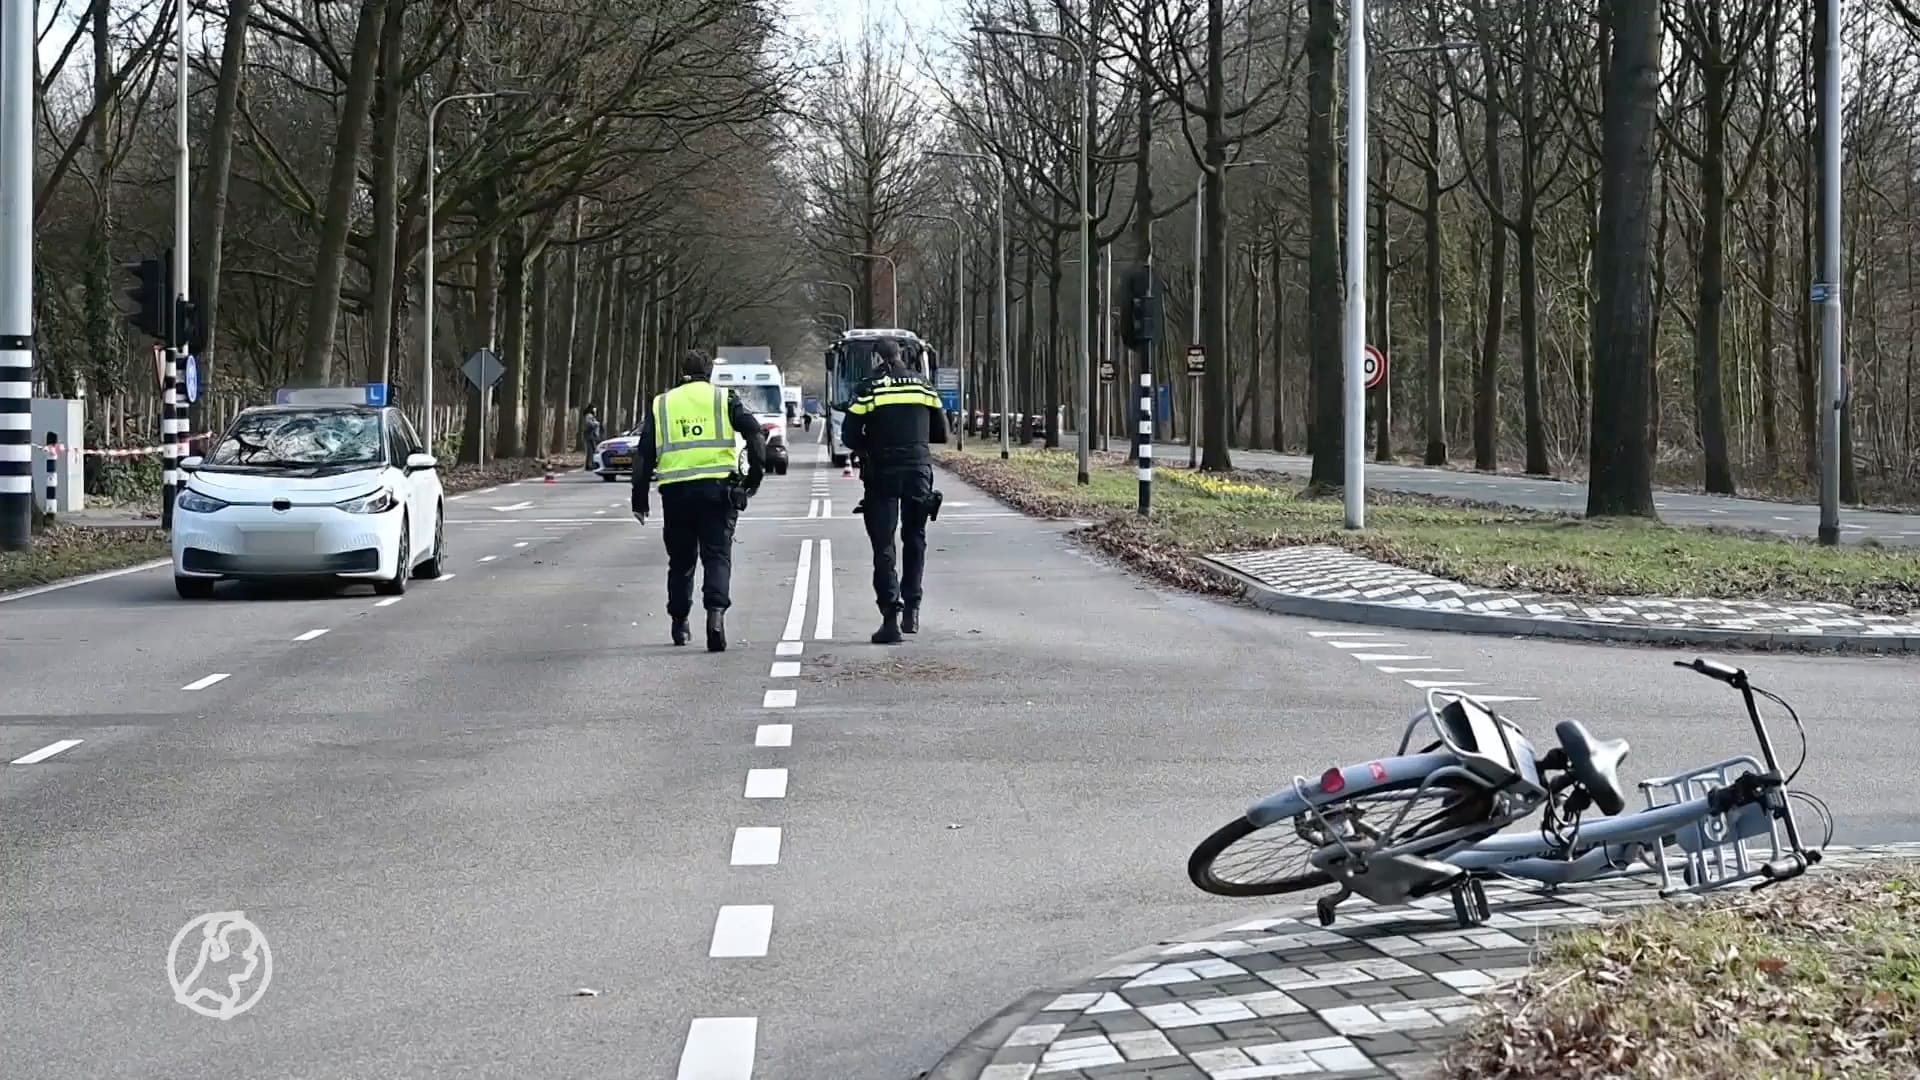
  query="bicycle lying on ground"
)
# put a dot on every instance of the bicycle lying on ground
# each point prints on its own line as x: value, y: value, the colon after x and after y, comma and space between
x: 1415, y: 825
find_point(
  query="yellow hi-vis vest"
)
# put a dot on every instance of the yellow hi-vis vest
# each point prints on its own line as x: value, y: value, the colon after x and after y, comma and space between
x: 693, y: 438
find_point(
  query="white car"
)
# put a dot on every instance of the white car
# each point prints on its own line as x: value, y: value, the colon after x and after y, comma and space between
x: 339, y: 492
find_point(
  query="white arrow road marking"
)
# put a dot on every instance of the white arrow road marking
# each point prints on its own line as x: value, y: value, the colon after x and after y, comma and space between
x: 515, y: 506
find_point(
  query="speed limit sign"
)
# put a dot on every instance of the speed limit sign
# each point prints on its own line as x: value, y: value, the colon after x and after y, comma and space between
x: 1374, y: 367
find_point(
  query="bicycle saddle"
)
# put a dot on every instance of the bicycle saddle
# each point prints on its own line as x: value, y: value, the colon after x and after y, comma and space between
x: 1595, y: 763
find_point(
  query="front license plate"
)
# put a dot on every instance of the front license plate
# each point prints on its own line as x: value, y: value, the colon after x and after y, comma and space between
x: 619, y: 460
x: 280, y: 542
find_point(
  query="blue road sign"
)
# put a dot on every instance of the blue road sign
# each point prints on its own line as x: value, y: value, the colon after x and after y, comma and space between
x: 950, y: 399
x: 193, y: 377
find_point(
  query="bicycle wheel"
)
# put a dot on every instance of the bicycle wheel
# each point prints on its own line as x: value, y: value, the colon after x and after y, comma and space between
x: 1231, y: 861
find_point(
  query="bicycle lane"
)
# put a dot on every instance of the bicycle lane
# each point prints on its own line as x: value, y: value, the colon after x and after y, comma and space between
x: 1015, y: 790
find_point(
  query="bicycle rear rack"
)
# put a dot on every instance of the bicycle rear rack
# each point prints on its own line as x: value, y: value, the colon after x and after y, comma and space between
x: 1718, y: 849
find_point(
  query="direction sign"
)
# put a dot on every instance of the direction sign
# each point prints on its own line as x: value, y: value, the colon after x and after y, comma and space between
x: 193, y: 377
x: 946, y: 378
x: 1373, y: 366
x: 1196, y: 359
x: 482, y: 368
x: 1106, y: 371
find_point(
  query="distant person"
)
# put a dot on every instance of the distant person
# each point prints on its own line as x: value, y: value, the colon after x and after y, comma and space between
x: 687, y: 444
x: 892, y: 418
x: 589, y: 434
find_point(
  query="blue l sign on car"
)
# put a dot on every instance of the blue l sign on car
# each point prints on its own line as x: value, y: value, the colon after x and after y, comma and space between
x: 193, y: 377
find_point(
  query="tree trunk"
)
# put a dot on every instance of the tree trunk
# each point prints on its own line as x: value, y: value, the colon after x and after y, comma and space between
x: 104, y: 336
x: 1383, y: 330
x: 1217, y: 387
x: 486, y: 296
x: 1323, y: 252
x: 1536, y: 427
x: 1769, y: 318
x: 389, y: 99
x: 563, y: 417
x: 1621, y: 480
x: 513, y: 298
x: 323, y: 308
x: 1435, y: 419
x: 1710, y: 270
x: 1142, y: 223
x: 541, y: 349
x: 1486, y: 387
x: 209, y: 237
x: 1278, y: 276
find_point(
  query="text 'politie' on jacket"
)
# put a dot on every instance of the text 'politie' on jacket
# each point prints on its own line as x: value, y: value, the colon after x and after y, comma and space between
x: 891, y: 420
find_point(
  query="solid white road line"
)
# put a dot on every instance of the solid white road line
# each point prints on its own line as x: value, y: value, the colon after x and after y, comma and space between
x: 1421, y: 670
x: 755, y: 846
x: 797, y: 607
x: 486, y: 491
x: 1499, y: 697
x: 789, y: 648
x: 780, y: 699
x: 1386, y: 656
x: 310, y: 635
x: 823, y: 622
x: 488, y: 558
x: 444, y: 577
x: 1368, y: 644
x: 1427, y: 684
x: 1342, y: 633
x: 766, y: 784
x: 521, y: 543
x: 84, y: 579
x: 742, y: 930
x: 47, y: 751
x: 813, y: 508
x: 826, y: 508
x: 205, y: 681
x: 389, y: 601
x: 719, y: 1048
x: 784, y: 669
x: 455, y: 498
x: 773, y: 735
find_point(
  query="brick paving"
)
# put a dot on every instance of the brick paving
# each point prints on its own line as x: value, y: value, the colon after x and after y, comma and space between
x: 1381, y: 993
x: 1328, y: 573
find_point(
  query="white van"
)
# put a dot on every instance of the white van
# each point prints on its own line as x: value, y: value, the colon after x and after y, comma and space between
x: 759, y: 388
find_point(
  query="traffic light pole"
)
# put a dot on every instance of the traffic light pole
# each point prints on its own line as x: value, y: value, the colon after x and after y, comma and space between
x: 17, y: 34
x: 173, y: 419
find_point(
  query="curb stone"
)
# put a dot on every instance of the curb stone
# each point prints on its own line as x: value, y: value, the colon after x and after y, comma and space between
x: 1367, y: 613
x: 1382, y: 993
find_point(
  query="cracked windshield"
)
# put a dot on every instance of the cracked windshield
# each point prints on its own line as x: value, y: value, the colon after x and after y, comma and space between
x: 1271, y: 539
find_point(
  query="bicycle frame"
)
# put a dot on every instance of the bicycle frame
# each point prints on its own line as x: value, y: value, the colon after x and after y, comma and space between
x: 1693, y: 811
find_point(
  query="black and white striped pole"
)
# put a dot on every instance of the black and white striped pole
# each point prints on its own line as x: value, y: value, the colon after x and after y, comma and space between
x: 53, y: 476
x: 176, y: 339
x: 1142, y: 327
x: 171, y: 425
x: 17, y: 35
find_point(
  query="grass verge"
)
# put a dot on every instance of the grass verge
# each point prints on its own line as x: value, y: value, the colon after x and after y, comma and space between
x: 1491, y: 546
x: 1817, y: 978
x: 65, y: 550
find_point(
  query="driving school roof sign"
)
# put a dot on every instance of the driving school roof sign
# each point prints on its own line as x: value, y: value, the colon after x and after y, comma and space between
x: 369, y: 394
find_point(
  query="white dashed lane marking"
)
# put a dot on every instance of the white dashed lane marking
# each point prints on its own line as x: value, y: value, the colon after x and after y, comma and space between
x: 755, y: 846
x: 719, y: 1048
x: 766, y: 784
x: 784, y: 669
x: 520, y: 544
x: 1386, y: 656
x: 1427, y: 684
x: 780, y: 699
x: 206, y: 680
x: 742, y: 930
x: 773, y: 735
x: 388, y: 602
x: 788, y: 648
x: 488, y: 558
x: 310, y: 635
x: 47, y: 751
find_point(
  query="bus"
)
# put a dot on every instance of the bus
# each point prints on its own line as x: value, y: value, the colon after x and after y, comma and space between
x: 850, y: 362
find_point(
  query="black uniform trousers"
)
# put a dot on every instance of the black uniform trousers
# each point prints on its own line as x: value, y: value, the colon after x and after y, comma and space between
x: 697, y: 519
x: 896, y: 498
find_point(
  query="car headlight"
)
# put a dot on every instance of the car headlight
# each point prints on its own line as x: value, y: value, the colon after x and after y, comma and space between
x: 377, y: 502
x: 195, y: 503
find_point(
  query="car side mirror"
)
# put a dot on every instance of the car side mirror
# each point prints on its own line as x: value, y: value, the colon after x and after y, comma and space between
x: 188, y: 464
x: 421, y: 461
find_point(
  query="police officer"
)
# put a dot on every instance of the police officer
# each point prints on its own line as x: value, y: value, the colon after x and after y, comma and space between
x: 891, y: 420
x: 687, y: 445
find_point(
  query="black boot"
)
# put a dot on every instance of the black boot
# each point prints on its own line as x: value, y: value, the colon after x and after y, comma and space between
x: 889, y: 632
x: 716, y: 630
x: 910, y: 619
x: 681, y: 632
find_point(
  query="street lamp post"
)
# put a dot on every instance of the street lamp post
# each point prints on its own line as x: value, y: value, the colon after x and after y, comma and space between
x: 1193, y: 381
x: 893, y: 275
x: 832, y: 315
x: 849, y: 288
x: 1087, y: 373
x: 433, y: 285
x: 959, y: 311
x: 1000, y: 256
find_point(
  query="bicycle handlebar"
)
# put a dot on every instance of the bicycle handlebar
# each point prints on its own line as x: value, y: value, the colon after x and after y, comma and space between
x: 1732, y: 676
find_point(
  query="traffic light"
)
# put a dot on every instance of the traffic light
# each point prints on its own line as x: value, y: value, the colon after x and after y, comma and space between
x: 187, y: 326
x: 1143, y: 308
x: 151, y: 300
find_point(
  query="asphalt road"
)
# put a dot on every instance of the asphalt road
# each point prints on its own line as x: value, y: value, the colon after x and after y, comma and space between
x: 1570, y: 497
x: 450, y: 813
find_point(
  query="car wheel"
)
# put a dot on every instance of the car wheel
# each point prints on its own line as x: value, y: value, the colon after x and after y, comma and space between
x: 782, y: 470
x: 402, y: 570
x: 193, y: 588
x: 608, y: 477
x: 431, y: 568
